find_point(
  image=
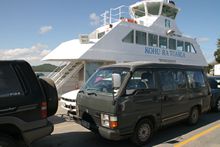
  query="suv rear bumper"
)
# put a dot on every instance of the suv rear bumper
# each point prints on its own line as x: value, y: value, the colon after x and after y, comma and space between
x: 35, y: 134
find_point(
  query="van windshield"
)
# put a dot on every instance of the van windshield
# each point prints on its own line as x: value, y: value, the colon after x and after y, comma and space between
x: 101, y: 80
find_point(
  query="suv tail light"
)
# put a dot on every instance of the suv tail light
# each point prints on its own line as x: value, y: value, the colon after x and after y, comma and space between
x: 43, y: 110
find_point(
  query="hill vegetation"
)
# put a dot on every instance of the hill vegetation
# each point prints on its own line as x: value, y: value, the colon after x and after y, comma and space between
x: 44, y: 68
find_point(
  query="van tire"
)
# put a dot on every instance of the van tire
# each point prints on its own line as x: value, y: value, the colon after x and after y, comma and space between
x: 50, y: 91
x: 7, y: 141
x: 142, y: 133
x: 194, y: 116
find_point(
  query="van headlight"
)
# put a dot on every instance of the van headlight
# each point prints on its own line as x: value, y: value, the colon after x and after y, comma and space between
x: 109, y: 121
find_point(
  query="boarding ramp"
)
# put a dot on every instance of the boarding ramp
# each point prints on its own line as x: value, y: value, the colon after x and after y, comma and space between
x: 64, y: 72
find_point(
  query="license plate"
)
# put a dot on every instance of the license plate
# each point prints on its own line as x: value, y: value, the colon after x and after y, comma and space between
x: 85, y: 124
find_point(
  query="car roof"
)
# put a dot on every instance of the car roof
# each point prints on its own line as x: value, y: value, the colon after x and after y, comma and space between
x: 13, y: 61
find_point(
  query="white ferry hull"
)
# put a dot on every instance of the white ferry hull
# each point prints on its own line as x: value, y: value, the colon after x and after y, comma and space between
x: 111, y: 48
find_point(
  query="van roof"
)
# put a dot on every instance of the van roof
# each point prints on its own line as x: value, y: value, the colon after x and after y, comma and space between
x: 140, y: 64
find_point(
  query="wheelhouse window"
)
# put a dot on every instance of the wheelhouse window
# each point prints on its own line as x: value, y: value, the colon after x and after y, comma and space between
x: 139, y: 11
x: 141, y: 38
x: 169, y: 11
x: 189, y: 47
x: 172, y: 44
x: 129, y: 38
x: 180, y: 45
x: 152, y: 40
x: 162, y: 42
x: 153, y: 8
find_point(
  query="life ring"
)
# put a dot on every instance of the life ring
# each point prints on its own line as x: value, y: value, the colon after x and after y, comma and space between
x: 129, y: 20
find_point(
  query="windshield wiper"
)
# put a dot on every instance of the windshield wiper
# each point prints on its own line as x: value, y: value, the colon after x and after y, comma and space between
x: 90, y: 89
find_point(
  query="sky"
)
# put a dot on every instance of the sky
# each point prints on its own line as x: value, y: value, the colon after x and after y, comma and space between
x: 30, y: 29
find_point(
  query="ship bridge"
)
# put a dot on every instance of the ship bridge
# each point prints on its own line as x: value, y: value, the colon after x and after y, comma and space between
x: 161, y: 13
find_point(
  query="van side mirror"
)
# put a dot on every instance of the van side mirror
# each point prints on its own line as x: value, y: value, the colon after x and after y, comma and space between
x: 116, y: 80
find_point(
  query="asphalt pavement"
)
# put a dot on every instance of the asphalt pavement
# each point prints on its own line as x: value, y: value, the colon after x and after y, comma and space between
x: 69, y: 134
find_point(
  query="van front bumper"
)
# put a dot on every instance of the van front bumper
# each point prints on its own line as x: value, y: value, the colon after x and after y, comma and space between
x: 104, y: 132
x: 111, y: 134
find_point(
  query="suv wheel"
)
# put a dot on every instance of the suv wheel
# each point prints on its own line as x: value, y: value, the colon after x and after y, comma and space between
x: 7, y: 141
x: 194, y: 116
x: 142, y: 133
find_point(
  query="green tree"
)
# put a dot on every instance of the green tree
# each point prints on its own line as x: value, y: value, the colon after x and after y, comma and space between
x: 217, y: 52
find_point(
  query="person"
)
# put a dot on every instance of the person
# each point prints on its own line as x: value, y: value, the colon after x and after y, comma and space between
x: 147, y: 79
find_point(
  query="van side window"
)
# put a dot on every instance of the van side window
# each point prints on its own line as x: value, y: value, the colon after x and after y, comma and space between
x: 172, y: 80
x: 9, y: 83
x: 195, y: 79
x: 141, y: 79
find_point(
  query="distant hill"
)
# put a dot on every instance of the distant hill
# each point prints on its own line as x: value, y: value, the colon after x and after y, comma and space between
x: 44, y: 68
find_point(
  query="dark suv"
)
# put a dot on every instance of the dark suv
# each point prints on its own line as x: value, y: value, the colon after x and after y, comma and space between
x: 214, y: 82
x: 25, y: 103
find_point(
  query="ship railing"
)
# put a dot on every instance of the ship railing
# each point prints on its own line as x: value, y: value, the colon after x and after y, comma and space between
x: 55, y: 72
x: 115, y: 15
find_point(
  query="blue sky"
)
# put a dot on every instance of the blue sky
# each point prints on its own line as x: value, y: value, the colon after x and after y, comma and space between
x: 30, y: 29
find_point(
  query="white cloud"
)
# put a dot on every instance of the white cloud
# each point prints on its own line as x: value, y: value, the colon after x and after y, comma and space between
x: 45, y: 29
x: 33, y: 54
x: 94, y: 19
x: 203, y: 39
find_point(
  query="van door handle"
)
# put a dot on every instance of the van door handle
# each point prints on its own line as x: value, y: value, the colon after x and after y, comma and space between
x: 8, y: 109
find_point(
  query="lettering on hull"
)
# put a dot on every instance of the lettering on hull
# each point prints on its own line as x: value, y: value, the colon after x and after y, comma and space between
x: 164, y: 52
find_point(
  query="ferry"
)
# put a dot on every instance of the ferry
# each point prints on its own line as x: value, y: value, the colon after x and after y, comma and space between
x: 144, y: 31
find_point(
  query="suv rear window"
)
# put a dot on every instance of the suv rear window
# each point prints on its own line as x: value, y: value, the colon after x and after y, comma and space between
x: 9, y: 83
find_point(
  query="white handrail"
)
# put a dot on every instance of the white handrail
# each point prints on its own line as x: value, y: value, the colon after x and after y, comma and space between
x: 76, y: 69
x: 115, y: 14
x: 55, y: 70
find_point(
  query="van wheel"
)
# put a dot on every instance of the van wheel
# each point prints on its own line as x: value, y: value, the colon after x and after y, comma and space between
x: 217, y: 105
x: 142, y: 132
x: 194, y: 116
x: 7, y: 141
x: 51, y: 95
